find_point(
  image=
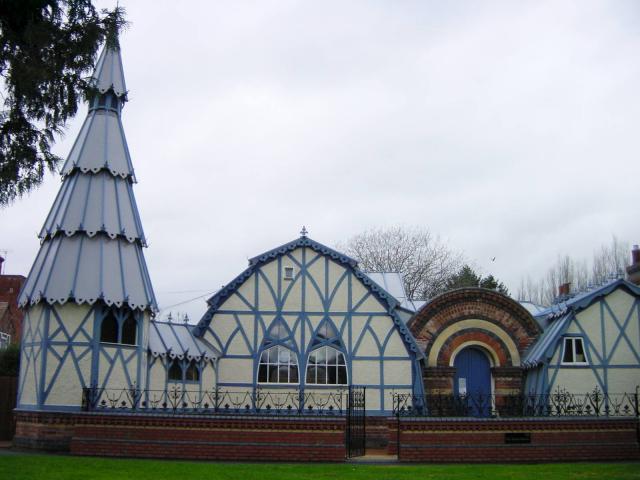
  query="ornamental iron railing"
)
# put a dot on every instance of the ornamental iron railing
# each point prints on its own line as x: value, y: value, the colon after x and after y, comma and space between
x: 559, y: 403
x: 180, y: 400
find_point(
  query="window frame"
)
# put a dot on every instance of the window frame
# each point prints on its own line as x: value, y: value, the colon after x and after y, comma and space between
x: 121, y: 316
x: 184, y: 365
x: 292, y: 356
x: 337, y: 365
x: 288, y: 269
x: 573, y: 341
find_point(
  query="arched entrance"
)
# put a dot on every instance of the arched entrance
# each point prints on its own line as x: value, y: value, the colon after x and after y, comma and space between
x: 473, y: 380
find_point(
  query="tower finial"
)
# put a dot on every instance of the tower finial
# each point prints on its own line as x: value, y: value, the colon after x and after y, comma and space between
x: 304, y: 231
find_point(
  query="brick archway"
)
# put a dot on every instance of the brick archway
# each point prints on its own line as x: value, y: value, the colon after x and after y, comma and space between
x: 473, y: 316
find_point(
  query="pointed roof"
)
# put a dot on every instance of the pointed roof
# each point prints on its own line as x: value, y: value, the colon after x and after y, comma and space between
x: 92, y: 239
x: 100, y: 145
x: 109, y: 73
x: 376, y: 290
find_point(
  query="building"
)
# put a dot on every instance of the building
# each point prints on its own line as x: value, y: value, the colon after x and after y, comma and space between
x: 10, y: 314
x: 300, y: 327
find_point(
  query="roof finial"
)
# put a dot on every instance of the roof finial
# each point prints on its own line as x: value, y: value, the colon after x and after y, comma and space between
x: 304, y: 231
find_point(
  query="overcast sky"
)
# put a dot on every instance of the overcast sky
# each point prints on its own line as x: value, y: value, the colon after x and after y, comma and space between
x: 509, y: 128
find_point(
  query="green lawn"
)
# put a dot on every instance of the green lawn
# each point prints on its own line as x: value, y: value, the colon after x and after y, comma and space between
x: 15, y: 467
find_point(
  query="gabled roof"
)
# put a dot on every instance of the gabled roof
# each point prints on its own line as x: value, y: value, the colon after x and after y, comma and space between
x: 177, y: 341
x: 557, y: 318
x: 379, y: 292
x: 393, y: 283
x: 582, y: 300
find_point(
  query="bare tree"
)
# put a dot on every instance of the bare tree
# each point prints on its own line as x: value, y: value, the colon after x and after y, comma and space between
x: 425, y: 262
x: 608, y: 260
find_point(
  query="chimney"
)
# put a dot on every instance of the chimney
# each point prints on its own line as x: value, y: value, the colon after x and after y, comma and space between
x: 633, y: 270
x: 563, y: 290
x: 1, y: 262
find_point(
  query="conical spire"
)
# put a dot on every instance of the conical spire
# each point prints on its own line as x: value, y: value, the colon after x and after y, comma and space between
x: 92, y: 239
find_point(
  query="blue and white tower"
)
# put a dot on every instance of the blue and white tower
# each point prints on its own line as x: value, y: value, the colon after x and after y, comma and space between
x: 88, y: 298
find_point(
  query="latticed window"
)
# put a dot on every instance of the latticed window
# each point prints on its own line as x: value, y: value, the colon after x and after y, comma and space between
x: 278, y: 365
x: 573, y: 352
x: 326, y: 366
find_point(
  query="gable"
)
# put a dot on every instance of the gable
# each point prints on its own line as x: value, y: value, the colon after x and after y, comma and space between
x: 322, y: 281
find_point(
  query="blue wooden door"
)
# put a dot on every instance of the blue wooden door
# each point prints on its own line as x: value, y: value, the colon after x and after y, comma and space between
x: 473, y: 380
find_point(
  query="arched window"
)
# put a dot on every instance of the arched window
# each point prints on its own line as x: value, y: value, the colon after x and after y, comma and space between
x: 326, y: 366
x: 278, y: 365
x: 175, y: 371
x: 192, y: 374
x: 109, y: 328
x: 129, y: 330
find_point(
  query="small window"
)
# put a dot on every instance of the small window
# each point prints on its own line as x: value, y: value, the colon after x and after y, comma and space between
x: 129, y: 330
x: 288, y: 273
x: 192, y: 374
x: 5, y: 340
x: 109, y: 328
x: 175, y: 371
x: 573, y: 352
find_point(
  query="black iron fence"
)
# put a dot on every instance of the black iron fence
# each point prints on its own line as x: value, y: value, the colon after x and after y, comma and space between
x: 177, y: 400
x: 559, y: 403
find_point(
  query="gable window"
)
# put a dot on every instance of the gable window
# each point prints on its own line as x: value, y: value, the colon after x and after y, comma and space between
x: 119, y: 325
x: 326, y: 366
x: 288, y: 273
x: 278, y: 365
x: 573, y: 351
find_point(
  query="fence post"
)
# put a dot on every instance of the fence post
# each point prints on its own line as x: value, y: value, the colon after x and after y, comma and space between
x: 398, y: 426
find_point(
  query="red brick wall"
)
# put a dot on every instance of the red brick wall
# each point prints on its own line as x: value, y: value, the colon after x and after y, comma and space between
x: 453, y: 440
x: 10, y: 286
x: 213, y: 438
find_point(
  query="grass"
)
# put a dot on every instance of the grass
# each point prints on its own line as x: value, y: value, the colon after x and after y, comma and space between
x: 18, y: 467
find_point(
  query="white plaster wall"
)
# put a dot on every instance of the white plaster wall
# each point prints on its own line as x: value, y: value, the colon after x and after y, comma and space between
x: 157, y: 374
x: 364, y: 372
x: 235, y: 370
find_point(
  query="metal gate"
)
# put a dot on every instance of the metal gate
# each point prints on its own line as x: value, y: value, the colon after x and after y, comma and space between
x: 356, y: 422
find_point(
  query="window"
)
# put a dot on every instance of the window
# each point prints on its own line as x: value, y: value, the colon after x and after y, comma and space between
x: 278, y: 365
x: 129, y: 331
x: 288, y: 273
x: 178, y: 372
x: 109, y: 329
x: 192, y: 374
x: 326, y: 366
x: 573, y: 353
x: 119, y: 325
x: 175, y: 371
x: 5, y: 340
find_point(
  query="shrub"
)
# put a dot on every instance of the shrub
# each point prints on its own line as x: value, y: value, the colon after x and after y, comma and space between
x: 10, y: 361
